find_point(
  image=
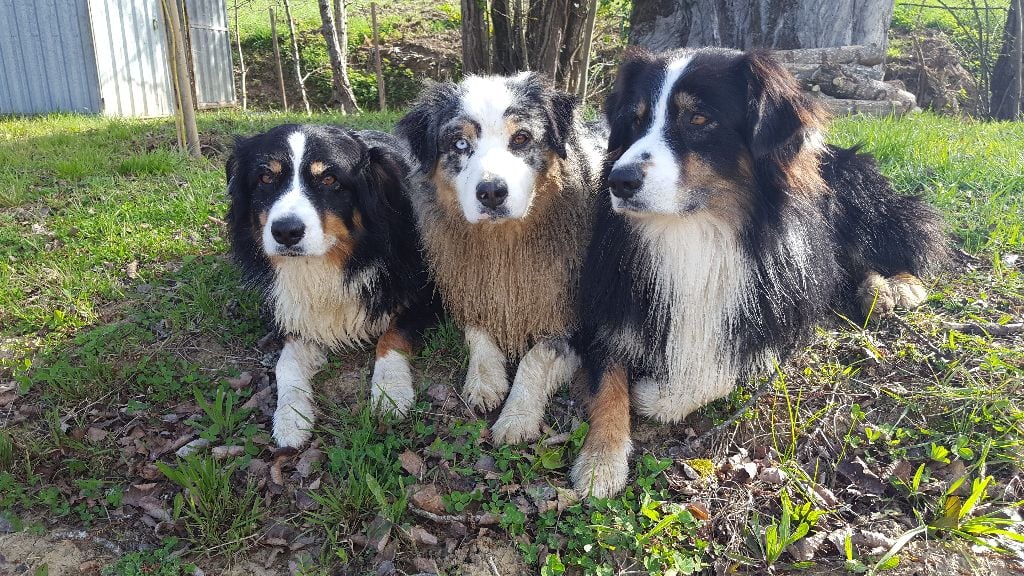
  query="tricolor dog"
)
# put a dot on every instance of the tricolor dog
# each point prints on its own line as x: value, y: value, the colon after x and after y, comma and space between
x: 503, y: 196
x: 320, y: 222
x: 725, y: 231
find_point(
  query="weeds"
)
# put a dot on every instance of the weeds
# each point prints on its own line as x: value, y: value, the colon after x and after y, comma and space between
x: 157, y: 562
x: 218, y: 518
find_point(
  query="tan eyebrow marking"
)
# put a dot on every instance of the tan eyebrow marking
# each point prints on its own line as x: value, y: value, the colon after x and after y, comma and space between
x: 274, y: 166
x: 317, y: 168
x: 685, y: 101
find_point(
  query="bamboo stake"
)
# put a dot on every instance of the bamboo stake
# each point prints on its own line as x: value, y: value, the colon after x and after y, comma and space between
x: 179, y: 76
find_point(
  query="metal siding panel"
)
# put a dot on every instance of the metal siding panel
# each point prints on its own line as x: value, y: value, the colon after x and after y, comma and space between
x: 44, y: 59
x: 211, y: 52
x: 131, y: 57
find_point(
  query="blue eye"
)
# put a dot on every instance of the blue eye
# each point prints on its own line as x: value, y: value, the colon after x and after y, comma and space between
x: 461, y: 144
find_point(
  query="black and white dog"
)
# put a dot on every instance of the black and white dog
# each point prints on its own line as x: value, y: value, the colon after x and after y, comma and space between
x: 727, y: 230
x: 503, y: 196
x: 320, y: 222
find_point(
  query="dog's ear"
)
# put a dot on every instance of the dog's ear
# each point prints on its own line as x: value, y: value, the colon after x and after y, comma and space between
x: 783, y: 125
x: 420, y: 125
x: 231, y: 165
x: 561, y: 112
x: 385, y: 175
x: 619, y: 121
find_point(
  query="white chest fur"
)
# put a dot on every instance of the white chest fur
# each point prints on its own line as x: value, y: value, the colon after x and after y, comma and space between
x: 314, y: 300
x: 699, y: 280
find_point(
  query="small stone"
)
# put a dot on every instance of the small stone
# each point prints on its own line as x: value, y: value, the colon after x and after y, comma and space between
x: 192, y: 447
x: 222, y: 452
x: 772, y: 475
x: 424, y: 565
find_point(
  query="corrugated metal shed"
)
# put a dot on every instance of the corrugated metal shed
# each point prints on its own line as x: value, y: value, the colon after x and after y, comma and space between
x: 106, y: 56
x: 211, y: 52
x: 131, y: 57
x: 46, y: 57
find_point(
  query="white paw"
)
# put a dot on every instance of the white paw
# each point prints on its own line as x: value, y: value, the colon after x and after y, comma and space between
x: 486, y: 385
x: 601, y: 473
x: 908, y: 290
x: 391, y: 388
x: 654, y: 399
x: 875, y: 296
x: 293, y: 424
x: 486, y: 382
x: 517, y: 423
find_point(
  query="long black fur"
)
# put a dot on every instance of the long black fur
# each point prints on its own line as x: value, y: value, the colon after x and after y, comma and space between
x: 857, y: 223
x: 373, y: 176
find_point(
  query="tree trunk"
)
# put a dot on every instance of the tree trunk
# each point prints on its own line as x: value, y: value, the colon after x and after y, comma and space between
x: 546, y: 23
x: 476, y: 57
x: 343, y: 95
x: 745, y: 24
x: 295, y: 57
x: 549, y: 36
x: 509, y: 54
x: 341, y: 26
x: 1007, y: 96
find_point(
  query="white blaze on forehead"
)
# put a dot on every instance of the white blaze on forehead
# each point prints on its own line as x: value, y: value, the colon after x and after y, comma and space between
x: 295, y: 203
x: 661, y: 176
x: 485, y: 100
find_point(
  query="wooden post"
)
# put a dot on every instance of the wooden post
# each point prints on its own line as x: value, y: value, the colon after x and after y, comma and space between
x: 277, y: 59
x: 180, y: 78
x: 241, y: 59
x: 376, y: 58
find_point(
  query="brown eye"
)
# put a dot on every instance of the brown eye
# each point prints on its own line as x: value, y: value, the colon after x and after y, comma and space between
x: 328, y: 180
x: 267, y: 178
x: 698, y: 119
x: 520, y: 138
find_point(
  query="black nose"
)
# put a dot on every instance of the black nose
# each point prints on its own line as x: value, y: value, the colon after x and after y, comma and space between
x: 492, y: 193
x: 626, y: 181
x: 288, y: 231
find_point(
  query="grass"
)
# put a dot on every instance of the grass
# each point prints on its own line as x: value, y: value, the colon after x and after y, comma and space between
x: 118, y: 304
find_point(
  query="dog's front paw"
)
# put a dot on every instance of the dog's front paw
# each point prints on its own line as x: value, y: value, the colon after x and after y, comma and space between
x: 880, y: 296
x: 391, y: 389
x: 876, y: 296
x: 908, y: 291
x: 486, y: 384
x: 293, y: 424
x: 601, y: 472
x: 518, y: 423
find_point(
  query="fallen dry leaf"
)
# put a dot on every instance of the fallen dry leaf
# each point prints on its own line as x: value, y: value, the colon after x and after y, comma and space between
x: 420, y: 535
x: 241, y: 381
x: 94, y: 434
x: 308, y: 461
x: 413, y: 464
x: 426, y: 497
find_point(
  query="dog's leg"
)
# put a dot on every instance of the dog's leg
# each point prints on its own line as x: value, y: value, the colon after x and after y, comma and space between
x: 603, y: 464
x: 294, y: 417
x: 486, y: 380
x: 542, y: 370
x: 391, y: 389
x: 879, y: 296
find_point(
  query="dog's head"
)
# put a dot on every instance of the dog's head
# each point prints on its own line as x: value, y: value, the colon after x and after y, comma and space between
x: 488, y: 142
x: 311, y: 191
x: 709, y: 129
